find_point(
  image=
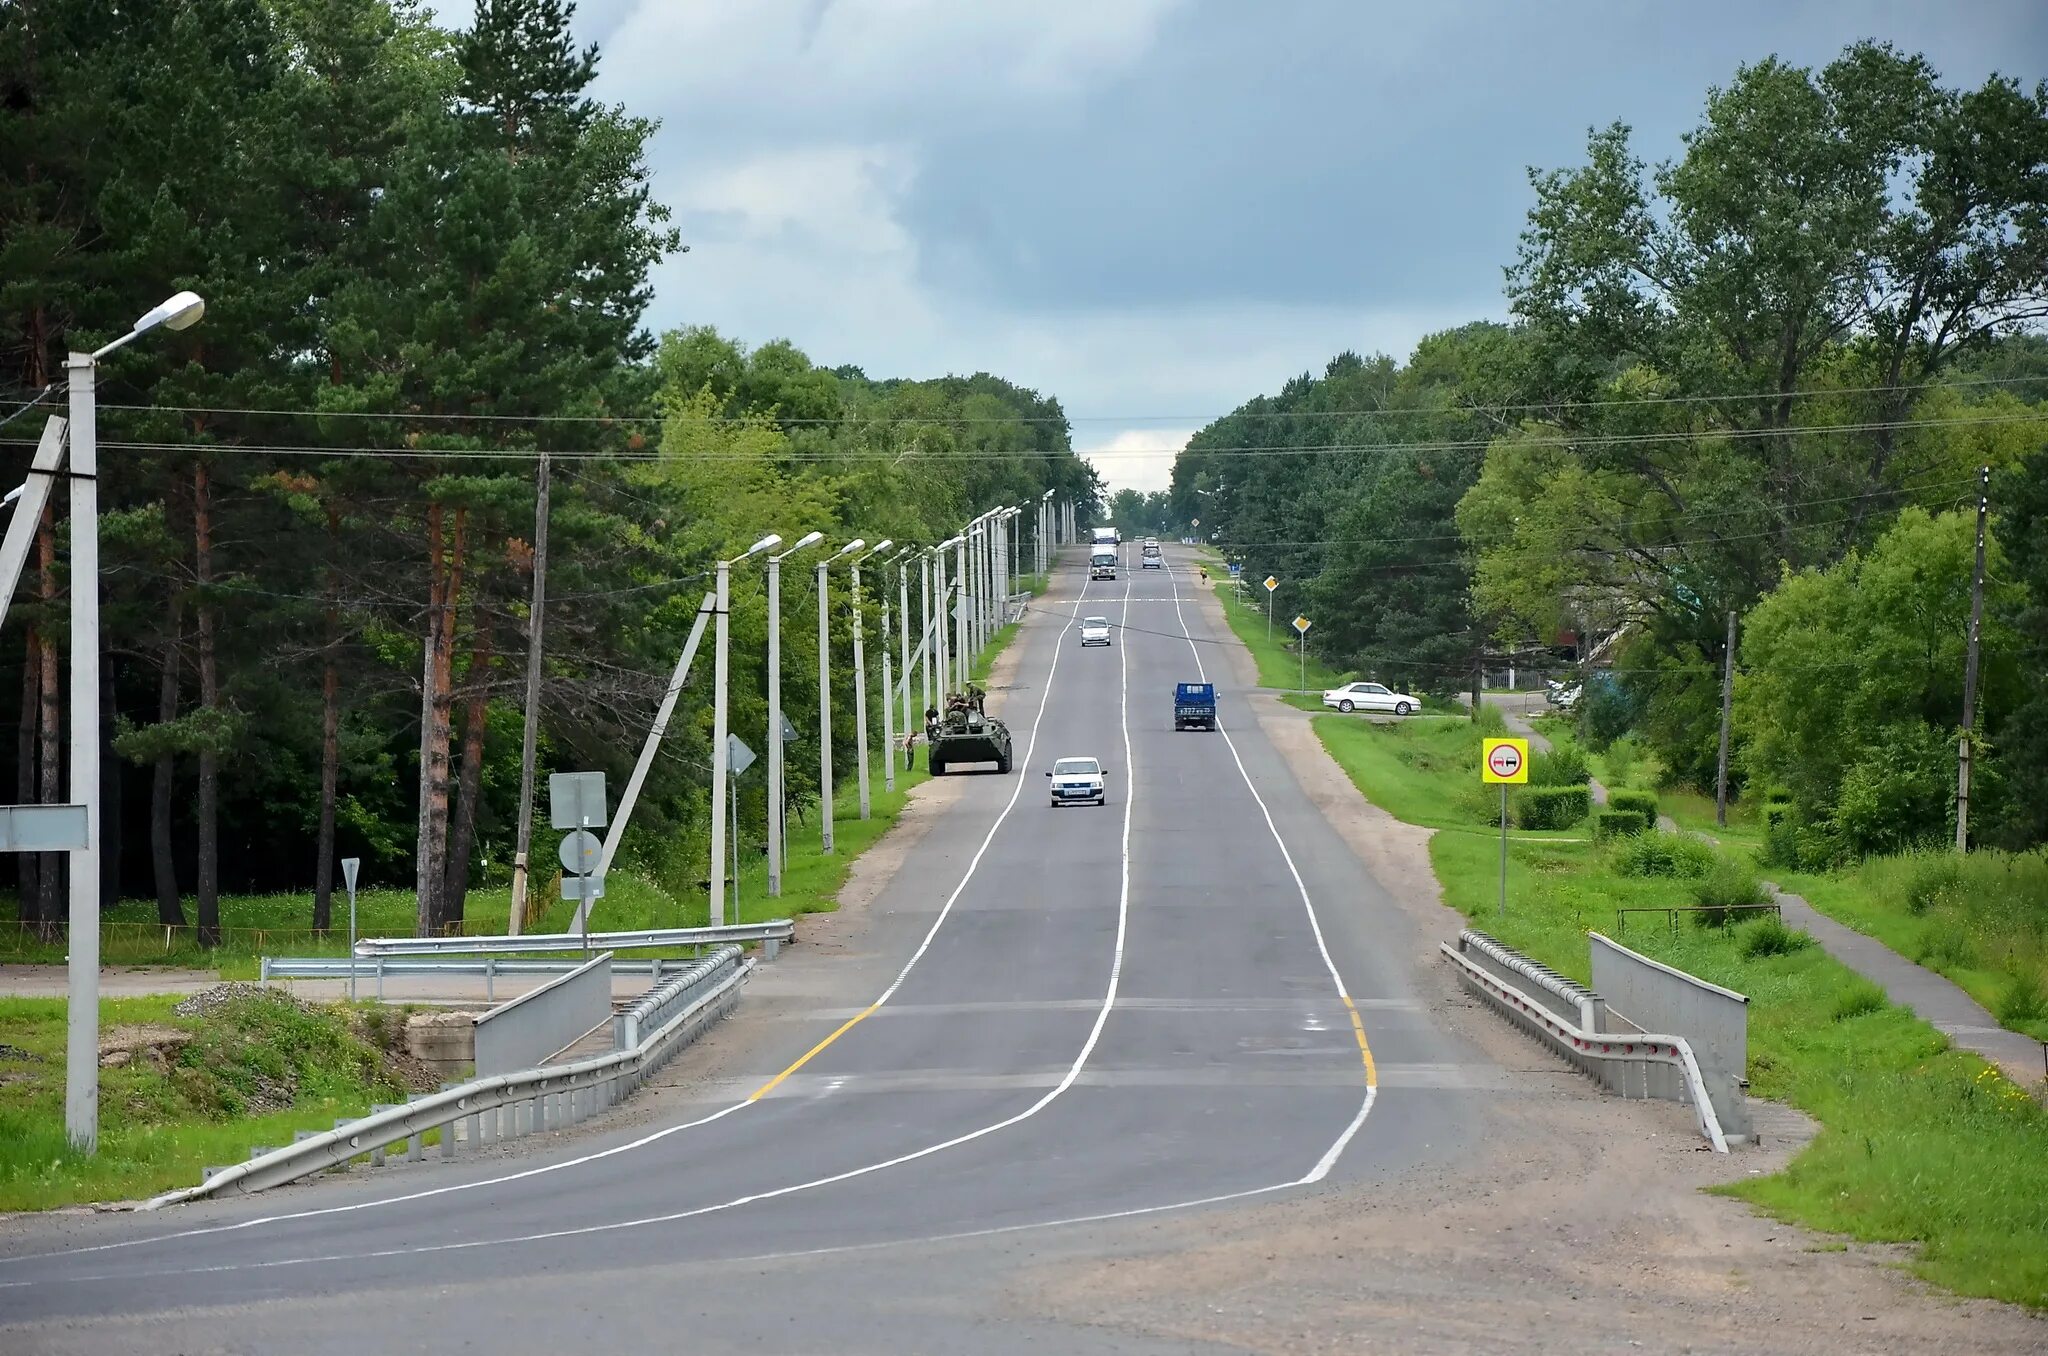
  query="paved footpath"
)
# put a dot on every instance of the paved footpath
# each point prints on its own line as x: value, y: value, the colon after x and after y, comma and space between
x: 1938, y: 1001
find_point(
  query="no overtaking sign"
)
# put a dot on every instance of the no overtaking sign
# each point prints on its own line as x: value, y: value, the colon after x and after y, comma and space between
x: 1506, y: 762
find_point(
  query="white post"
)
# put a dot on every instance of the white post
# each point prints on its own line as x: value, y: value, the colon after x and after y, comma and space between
x: 960, y: 659
x: 942, y: 619
x: 888, y: 701
x: 903, y: 617
x: 924, y: 570
x: 860, y: 693
x: 82, y: 1020
x: 720, y: 665
x: 775, y: 727
x: 824, y: 714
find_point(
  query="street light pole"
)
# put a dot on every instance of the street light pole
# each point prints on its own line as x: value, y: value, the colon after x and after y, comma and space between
x: 961, y: 662
x: 903, y: 618
x: 82, y: 961
x: 926, y: 640
x: 860, y: 679
x: 825, y: 696
x: 720, y: 727
x: 777, y: 831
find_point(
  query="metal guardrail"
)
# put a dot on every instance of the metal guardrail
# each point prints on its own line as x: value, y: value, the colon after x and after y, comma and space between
x: 1591, y: 1051
x: 652, y: 1010
x: 774, y: 931
x: 1564, y: 996
x: 482, y: 1110
x: 1643, y: 993
x: 491, y: 968
x: 541, y: 1023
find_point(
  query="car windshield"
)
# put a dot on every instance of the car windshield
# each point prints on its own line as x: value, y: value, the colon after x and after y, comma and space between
x: 1096, y: 621
x: 1076, y: 767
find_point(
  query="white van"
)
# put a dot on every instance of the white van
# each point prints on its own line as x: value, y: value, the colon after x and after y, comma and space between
x: 1102, y: 564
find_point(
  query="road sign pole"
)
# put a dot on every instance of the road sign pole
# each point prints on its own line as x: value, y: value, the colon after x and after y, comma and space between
x: 583, y: 893
x: 1502, y: 910
x: 349, y: 867
x: 1269, y: 616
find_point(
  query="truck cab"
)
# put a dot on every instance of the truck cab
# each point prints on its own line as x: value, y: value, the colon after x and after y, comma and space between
x: 1194, y: 706
x: 1102, y: 563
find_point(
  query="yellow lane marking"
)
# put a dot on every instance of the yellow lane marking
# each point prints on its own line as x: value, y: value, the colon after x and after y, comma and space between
x: 812, y: 1053
x: 1372, y: 1073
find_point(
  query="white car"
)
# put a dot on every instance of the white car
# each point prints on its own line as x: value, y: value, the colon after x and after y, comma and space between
x: 1371, y: 697
x: 1095, y: 630
x: 1077, y: 780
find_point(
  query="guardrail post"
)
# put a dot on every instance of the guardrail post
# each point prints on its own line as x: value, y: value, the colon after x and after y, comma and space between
x: 416, y: 1147
x: 490, y: 979
x: 380, y: 979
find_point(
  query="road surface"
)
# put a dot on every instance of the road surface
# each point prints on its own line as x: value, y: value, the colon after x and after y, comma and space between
x: 1078, y: 1020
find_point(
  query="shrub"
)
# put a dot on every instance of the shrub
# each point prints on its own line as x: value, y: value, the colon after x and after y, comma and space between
x: 1644, y: 801
x: 1781, y: 837
x: 2023, y: 1001
x: 1623, y: 757
x: 1551, y: 807
x: 1563, y: 764
x: 1771, y: 938
x: 1728, y: 886
x: 1935, y: 875
x: 1664, y: 854
x: 1608, y: 824
x: 1859, y: 999
x: 1944, y: 945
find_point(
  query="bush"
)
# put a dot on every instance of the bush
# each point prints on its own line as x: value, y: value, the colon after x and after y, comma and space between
x: 1946, y: 946
x: 1664, y: 854
x: 1644, y: 801
x: 2023, y: 1000
x: 1551, y: 807
x: 1624, y: 755
x: 1935, y: 876
x: 1781, y: 837
x: 1728, y: 886
x: 1609, y: 824
x: 1771, y: 938
x: 1859, y: 999
x: 1562, y: 764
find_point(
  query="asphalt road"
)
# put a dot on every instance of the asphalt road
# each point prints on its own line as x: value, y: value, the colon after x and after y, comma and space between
x: 1084, y: 1018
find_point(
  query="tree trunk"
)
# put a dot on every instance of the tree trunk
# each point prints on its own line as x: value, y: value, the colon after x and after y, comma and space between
x: 475, y: 715
x: 29, y: 899
x: 163, y: 863
x: 209, y: 701
x: 54, y: 905
x: 330, y: 736
x: 437, y: 701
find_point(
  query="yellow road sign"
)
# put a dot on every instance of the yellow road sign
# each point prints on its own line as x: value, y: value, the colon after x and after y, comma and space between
x: 1302, y: 624
x: 1505, y: 762
x: 1271, y: 583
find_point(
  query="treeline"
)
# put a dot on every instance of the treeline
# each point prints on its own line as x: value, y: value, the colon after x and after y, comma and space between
x: 1758, y: 379
x: 426, y: 259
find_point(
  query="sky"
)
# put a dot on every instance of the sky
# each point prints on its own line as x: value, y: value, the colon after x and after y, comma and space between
x: 1156, y: 210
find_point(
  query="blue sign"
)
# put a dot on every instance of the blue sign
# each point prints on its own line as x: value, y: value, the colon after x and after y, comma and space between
x: 1236, y: 570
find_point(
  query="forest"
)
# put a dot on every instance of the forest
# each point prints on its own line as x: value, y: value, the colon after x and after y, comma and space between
x: 425, y: 257
x: 1771, y: 377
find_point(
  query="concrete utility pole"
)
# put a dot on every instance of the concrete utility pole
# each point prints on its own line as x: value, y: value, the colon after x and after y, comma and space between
x: 888, y: 693
x: 961, y: 662
x: 1969, y: 668
x: 778, y: 831
x: 529, y: 738
x: 924, y: 570
x: 825, y: 696
x: 1727, y: 708
x: 720, y: 724
x: 903, y: 618
x: 860, y: 679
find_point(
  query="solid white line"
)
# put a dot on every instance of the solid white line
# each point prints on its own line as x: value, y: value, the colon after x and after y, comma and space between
x: 1336, y: 1150
x: 1044, y: 701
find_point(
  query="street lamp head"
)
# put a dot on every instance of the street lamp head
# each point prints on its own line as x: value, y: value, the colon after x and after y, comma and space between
x: 850, y: 547
x: 883, y: 545
x: 807, y: 539
x: 1048, y: 494
x: 767, y: 543
x: 950, y: 542
x: 180, y: 312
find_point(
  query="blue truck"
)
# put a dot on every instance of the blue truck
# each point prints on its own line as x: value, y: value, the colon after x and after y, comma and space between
x: 1194, y: 706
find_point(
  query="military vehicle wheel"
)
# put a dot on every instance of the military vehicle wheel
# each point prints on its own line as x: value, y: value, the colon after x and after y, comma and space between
x: 1003, y: 763
x: 938, y: 767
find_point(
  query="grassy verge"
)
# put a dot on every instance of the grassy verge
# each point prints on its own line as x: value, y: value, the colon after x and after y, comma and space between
x: 1981, y: 920
x: 1919, y: 1143
x: 1424, y: 770
x: 201, y: 1090
x: 1279, y: 664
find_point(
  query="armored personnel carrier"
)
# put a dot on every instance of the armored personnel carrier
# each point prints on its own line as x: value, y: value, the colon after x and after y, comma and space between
x: 965, y: 735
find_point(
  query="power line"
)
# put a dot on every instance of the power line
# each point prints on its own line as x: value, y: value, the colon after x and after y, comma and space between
x: 1567, y: 442
x: 961, y: 421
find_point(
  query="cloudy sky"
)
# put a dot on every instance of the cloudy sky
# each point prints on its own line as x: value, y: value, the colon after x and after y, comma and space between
x: 1157, y: 209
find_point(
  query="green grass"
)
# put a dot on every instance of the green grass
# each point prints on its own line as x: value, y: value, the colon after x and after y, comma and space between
x: 1980, y: 920
x: 1920, y: 1143
x: 1279, y: 664
x: 1424, y: 770
x: 255, y: 1072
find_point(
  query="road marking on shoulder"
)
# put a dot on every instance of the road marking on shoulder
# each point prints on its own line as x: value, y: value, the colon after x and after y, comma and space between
x: 1372, y: 1077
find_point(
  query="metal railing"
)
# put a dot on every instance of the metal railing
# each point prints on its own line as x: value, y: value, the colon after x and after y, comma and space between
x: 653, y: 1009
x: 1592, y: 1052
x: 543, y: 1022
x: 483, y: 1110
x: 1563, y: 995
x: 774, y: 931
x: 490, y: 968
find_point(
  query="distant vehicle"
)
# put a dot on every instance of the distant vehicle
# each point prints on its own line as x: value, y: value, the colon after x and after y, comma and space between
x: 1104, y: 536
x: 1150, y: 557
x: 1095, y: 630
x: 1564, y: 696
x: 1371, y: 697
x: 966, y: 735
x: 1077, y: 781
x: 1102, y: 564
x: 1194, y: 706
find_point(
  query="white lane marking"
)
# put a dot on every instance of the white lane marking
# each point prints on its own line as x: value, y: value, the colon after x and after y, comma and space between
x: 1336, y: 1150
x: 973, y: 865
